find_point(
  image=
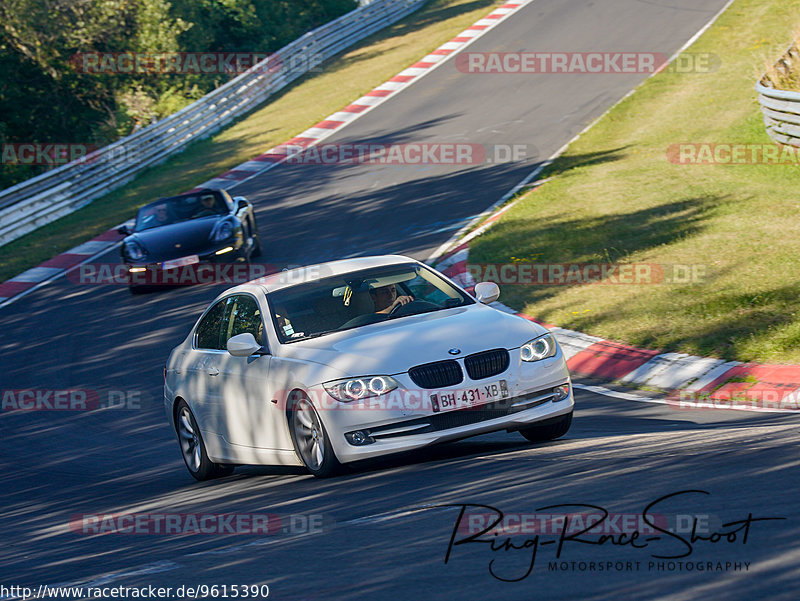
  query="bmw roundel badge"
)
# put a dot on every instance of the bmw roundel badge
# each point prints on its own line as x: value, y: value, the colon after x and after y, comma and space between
x: 454, y: 351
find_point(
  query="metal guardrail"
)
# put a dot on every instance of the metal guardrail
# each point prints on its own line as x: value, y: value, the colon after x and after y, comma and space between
x: 60, y: 191
x: 781, y: 108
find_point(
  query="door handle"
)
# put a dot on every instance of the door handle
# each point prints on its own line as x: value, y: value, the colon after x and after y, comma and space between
x: 213, y: 371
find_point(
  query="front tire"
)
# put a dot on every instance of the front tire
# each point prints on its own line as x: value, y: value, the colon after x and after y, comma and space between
x: 548, y: 430
x: 311, y: 441
x: 193, y: 449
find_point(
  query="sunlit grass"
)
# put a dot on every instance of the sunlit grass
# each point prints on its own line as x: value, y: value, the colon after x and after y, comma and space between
x: 615, y: 197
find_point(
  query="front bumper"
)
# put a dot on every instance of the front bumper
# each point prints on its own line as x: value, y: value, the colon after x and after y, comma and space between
x: 509, y: 414
x: 209, y: 269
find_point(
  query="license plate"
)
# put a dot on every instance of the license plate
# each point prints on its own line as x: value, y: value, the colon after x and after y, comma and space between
x: 175, y: 263
x: 451, y: 400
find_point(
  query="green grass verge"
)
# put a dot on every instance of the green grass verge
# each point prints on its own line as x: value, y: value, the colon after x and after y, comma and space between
x: 615, y: 197
x: 294, y: 109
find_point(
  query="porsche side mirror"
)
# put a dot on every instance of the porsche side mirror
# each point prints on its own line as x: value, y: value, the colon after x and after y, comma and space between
x: 487, y: 292
x: 241, y: 203
x: 124, y: 230
x: 244, y: 345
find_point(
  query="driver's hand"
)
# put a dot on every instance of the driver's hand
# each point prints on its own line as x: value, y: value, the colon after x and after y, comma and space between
x: 401, y: 300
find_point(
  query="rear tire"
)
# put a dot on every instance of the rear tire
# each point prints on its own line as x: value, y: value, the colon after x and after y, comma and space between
x: 548, y: 430
x: 257, y: 248
x: 311, y: 441
x: 256, y: 252
x: 193, y: 449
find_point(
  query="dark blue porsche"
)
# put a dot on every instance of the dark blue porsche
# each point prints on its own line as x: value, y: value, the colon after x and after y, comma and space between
x: 193, y: 229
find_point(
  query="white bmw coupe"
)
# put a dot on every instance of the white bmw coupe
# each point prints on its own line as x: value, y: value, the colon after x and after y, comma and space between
x: 352, y: 359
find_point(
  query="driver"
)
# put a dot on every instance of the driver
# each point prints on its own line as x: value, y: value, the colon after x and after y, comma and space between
x: 385, y: 298
x: 207, y: 206
x: 159, y: 217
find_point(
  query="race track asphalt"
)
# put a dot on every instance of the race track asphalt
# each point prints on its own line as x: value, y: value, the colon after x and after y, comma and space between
x: 380, y: 536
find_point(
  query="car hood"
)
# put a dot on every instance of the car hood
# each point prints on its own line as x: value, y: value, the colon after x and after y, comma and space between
x: 395, y: 346
x: 178, y: 239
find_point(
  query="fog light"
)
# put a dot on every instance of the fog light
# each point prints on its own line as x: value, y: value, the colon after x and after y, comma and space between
x: 137, y: 269
x: 561, y: 392
x: 359, y: 438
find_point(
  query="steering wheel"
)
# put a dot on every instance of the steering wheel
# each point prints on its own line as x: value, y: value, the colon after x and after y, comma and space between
x: 397, y: 307
x: 415, y: 306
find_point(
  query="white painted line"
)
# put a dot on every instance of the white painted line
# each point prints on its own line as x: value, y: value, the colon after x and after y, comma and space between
x: 433, y: 58
x: 368, y: 101
x: 36, y: 274
x: 671, y: 371
x: 390, y: 85
x: 686, y: 406
x: 343, y: 116
x: 461, y: 255
x: 626, y: 396
x: 317, y: 132
x: 712, y: 375
x: 217, y: 182
x: 248, y: 166
x: 572, y: 342
x: 15, y: 298
x: 89, y: 248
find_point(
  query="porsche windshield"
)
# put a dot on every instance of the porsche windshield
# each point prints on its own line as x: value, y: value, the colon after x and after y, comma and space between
x: 167, y: 211
x: 360, y: 298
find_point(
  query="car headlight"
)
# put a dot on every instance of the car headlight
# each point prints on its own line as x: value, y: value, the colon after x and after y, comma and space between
x: 223, y: 231
x: 355, y: 389
x: 134, y: 250
x: 538, y: 348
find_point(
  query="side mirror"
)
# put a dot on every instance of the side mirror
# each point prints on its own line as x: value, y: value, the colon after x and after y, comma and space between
x: 243, y: 345
x: 241, y: 203
x: 487, y: 292
x: 124, y: 230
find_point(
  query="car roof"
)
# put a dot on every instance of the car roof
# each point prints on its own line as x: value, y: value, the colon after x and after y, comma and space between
x: 313, y: 273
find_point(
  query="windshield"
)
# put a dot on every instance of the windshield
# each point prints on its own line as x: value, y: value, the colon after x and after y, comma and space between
x: 360, y: 298
x: 167, y: 211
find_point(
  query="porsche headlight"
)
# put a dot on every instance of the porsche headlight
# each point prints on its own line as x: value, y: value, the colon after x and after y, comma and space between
x: 223, y: 231
x: 355, y: 389
x: 538, y: 348
x: 134, y: 250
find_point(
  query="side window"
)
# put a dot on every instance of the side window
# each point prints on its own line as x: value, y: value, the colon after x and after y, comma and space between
x: 210, y: 327
x: 243, y: 316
